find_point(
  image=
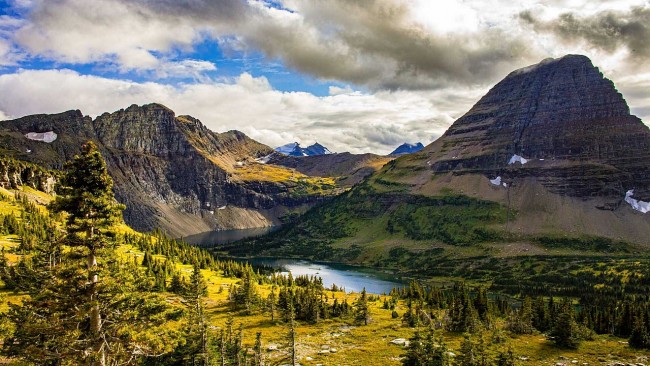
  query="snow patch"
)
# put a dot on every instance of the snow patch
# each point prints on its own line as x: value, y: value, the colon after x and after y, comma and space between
x: 48, y: 137
x: 222, y: 208
x: 496, y: 181
x: 516, y: 158
x: 264, y: 159
x: 640, y: 206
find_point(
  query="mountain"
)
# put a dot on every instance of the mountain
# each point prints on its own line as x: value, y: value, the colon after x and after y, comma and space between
x: 171, y: 171
x: 407, y: 148
x: 550, y: 160
x: 287, y: 149
x: 316, y: 149
x: 294, y: 149
x: 349, y: 169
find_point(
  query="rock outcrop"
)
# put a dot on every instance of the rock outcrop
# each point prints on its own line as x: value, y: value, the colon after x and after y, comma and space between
x: 171, y: 171
x: 15, y: 173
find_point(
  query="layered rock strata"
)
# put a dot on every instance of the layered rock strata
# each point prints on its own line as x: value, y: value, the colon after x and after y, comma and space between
x: 171, y: 171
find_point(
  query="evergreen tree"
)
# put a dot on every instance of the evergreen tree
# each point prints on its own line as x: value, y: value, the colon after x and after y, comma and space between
x: 565, y: 332
x: 246, y: 295
x: 83, y: 307
x: 291, y: 337
x: 472, y: 353
x: 258, y: 359
x: 426, y: 350
x: 85, y: 194
x: 271, y: 303
x: 521, y: 321
x: 438, y: 353
x: 639, y: 337
x: 196, y: 332
x: 361, y: 308
x: 415, y: 352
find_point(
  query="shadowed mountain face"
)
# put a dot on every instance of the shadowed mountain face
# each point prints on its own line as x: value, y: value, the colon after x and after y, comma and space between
x: 562, y: 116
x: 407, y: 148
x: 170, y: 171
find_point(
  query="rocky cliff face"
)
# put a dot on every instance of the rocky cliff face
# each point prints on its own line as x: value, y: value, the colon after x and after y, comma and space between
x: 570, y: 125
x: 15, y: 173
x: 170, y: 171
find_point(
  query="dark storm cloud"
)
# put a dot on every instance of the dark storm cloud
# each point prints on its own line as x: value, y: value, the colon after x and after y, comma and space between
x: 377, y: 44
x: 607, y: 31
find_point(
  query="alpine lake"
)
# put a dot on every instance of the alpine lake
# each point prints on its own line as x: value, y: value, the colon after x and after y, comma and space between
x: 350, y: 278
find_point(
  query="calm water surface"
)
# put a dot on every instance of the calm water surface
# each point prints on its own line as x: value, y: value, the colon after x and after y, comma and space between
x: 213, y: 238
x: 351, y: 278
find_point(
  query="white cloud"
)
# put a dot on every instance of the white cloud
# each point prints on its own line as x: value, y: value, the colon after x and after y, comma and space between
x: 380, y: 44
x: 185, y: 68
x: 9, y: 54
x: 353, y: 122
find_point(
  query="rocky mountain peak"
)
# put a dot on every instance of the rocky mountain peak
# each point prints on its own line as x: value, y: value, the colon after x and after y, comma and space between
x: 559, y: 90
x: 407, y: 148
x: 149, y: 129
x: 561, y: 116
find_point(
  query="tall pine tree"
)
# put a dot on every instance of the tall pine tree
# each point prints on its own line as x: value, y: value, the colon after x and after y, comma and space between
x: 83, y: 306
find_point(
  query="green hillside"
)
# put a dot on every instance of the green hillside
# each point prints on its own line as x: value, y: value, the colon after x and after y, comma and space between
x: 164, y: 302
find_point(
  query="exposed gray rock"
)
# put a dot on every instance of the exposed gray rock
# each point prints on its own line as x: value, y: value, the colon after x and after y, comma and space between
x: 568, y: 120
x: 170, y: 171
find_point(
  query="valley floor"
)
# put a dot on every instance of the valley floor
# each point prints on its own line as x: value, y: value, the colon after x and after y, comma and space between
x: 343, y: 342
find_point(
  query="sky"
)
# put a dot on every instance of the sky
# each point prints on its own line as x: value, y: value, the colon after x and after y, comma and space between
x: 353, y: 75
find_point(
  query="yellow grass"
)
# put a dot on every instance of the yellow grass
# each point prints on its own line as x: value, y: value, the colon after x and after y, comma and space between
x: 354, y: 345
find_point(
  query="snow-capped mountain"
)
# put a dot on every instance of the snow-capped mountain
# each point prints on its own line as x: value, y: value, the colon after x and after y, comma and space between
x: 407, y: 148
x: 294, y: 149
x: 287, y: 149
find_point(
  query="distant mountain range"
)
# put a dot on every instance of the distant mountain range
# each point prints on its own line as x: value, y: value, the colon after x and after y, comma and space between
x: 407, y: 148
x: 294, y: 149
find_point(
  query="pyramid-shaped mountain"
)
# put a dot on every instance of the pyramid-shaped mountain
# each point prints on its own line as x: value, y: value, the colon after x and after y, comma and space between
x: 567, y: 121
x: 407, y: 148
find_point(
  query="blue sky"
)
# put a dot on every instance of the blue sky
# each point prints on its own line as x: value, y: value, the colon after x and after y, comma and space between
x: 355, y: 76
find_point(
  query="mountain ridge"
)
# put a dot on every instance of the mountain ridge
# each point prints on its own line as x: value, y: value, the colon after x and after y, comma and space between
x: 294, y: 149
x: 171, y: 171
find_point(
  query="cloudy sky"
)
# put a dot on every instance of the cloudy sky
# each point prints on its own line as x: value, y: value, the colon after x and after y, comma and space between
x: 354, y: 75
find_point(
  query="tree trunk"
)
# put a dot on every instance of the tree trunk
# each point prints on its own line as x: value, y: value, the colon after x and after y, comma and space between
x: 99, y: 356
x: 294, y: 356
